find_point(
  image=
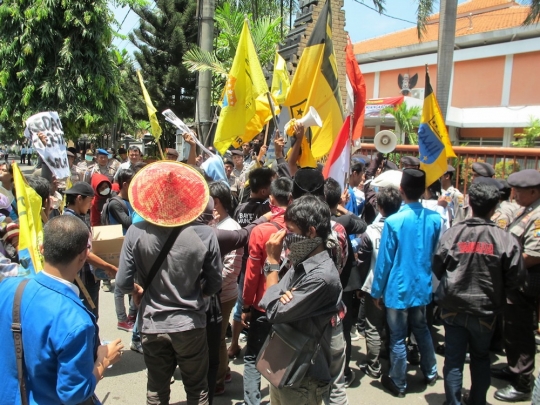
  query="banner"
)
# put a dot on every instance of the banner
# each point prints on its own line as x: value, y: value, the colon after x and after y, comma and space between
x: 30, y: 225
x: 45, y: 133
x: 375, y: 105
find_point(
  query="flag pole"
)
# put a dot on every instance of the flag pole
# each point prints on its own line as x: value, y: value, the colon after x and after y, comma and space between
x: 272, y: 108
x: 160, y: 150
x: 266, y: 133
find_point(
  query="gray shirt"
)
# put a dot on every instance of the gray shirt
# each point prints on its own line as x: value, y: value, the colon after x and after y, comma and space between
x: 316, y: 296
x: 174, y: 299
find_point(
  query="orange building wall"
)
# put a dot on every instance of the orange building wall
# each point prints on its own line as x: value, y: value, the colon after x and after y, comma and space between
x: 496, y: 133
x: 478, y: 83
x: 525, y: 88
x: 369, y: 78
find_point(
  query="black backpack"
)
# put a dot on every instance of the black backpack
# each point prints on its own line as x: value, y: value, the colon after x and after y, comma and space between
x: 105, y: 211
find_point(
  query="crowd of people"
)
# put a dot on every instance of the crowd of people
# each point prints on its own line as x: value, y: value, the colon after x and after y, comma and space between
x: 237, y: 244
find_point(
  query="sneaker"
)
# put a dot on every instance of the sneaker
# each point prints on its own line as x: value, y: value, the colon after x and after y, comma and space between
x: 355, y: 335
x: 126, y: 325
x: 391, y: 386
x: 370, y: 371
x: 432, y: 381
x: 349, y: 379
x: 413, y: 355
x: 132, y: 318
x: 228, y: 376
x: 136, y: 347
x: 106, y: 286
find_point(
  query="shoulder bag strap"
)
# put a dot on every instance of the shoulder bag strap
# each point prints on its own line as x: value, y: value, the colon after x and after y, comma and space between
x: 161, y: 257
x: 17, y: 337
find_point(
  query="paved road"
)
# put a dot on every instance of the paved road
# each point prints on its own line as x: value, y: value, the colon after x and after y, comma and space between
x: 125, y: 382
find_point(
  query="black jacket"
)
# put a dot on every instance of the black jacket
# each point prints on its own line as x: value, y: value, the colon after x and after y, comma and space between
x: 477, y: 262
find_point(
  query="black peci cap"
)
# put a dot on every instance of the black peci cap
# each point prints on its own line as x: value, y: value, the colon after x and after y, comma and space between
x: 413, y: 178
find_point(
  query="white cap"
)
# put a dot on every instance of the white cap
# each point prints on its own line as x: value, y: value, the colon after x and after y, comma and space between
x: 387, y: 179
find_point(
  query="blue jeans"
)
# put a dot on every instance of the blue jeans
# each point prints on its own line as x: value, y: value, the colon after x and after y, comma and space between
x: 398, y: 322
x: 461, y: 330
x: 258, y: 331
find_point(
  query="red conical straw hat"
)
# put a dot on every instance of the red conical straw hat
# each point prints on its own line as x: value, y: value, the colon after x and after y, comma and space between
x: 168, y: 193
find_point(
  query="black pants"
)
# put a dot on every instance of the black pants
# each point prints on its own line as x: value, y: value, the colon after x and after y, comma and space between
x: 347, y: 298
x: 519, y: 326
x: 23, y: 157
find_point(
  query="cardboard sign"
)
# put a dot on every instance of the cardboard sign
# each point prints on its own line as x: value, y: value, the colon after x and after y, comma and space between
x: 45, y: 133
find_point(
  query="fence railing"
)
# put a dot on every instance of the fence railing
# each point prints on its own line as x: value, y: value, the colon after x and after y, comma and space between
x: 505, y: 160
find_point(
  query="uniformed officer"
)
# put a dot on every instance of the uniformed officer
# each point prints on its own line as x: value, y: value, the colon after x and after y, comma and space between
x: 506, y: 210
x: 410, y: 162
x: 453, y: 196
x: 479, y: 169
x: 519, y: 314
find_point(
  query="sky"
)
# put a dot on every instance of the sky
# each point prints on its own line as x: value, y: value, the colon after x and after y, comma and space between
x: 361, y: 22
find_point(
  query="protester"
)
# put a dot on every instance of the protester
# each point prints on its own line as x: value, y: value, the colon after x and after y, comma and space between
x: 122, y: 155
x: 232, y: 264
x: 453, y: 196
x: 388, y: 203
x: 478, y: 169
x: 472, y: 291
x: 102, y: 187
x: 355, y: 204
x: 173, y: 320
x: 171, y: 154
x: 78, y: 202
x: 63, y: 359
x: 119, y: 208
x: 403, y: 277
x: 253, y: 316
x: 307, y: 297
x: 134, y: 156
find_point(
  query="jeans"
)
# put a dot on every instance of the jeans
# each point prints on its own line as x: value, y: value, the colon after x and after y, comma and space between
x: 337, y: 394
x: 162, y: 352
x: 347, y: 326
x: 398, y: 322
x: 461, y: 330
x: 258, y: 331
x: 136, y: 335
x: 226, y: 309
x: 120, y: 305
x: 375, y: 329
x: 237, y: 314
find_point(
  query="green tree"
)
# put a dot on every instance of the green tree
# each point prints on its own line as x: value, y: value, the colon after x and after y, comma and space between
x: 265, y: 32
x: 165, y: 33
x: 407, y: 119
x: 529, y: 136
x: 56, y: 56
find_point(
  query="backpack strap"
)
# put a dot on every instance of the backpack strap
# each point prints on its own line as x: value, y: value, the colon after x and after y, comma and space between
x: 278, y: 226
x: 17, y: 337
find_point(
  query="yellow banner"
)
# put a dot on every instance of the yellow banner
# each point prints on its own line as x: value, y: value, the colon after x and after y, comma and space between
x: 280, y: 80
x: 245, y: 108
x: 315, y: 84
x: 30, y: 225
x: 154, y: 123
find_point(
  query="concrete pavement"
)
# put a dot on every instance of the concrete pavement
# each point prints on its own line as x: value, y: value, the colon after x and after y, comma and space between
x: 125, y: 382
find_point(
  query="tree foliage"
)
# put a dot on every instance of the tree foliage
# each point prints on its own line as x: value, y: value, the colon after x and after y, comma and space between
x: 165, y: 33
x: 408, y: 120
x: 56, y: 56
x: 229, y: 19
x: 529, y: 136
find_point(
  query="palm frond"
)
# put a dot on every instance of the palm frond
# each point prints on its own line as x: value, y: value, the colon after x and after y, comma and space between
x: 534, y: 14
x: 379, y: 5
x: 425, y: 9
x: 197, y: 60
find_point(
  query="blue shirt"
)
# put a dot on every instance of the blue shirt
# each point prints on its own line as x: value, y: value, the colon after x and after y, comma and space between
x: 402, y: 274
x: 60, y: 340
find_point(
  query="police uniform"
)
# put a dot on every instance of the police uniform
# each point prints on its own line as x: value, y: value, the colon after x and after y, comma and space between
x: 463, y: 211
x: 505, y: 214
x: 519, y: 315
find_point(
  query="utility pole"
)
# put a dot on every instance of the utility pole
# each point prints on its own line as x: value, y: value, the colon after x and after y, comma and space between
x: 445, y: 53
x: 203, y: 112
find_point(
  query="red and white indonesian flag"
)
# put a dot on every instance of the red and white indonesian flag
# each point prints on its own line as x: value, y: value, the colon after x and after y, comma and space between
x: 339, y: 158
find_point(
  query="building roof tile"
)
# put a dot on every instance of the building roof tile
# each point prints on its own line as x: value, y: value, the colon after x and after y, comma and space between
x: 474, y: 17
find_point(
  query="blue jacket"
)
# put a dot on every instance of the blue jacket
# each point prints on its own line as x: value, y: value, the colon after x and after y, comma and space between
x: 60, y: 339
x: 403, y: 272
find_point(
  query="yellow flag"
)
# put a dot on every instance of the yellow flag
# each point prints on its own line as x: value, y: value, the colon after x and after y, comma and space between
x: 433, y: 141
x: 30, y: 225
x: 245, y: 108
x: 154, y: 124
x: 280, y: 80
x: 315, y: 84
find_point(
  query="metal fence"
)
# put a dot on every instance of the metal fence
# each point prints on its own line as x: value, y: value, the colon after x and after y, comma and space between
x: 505, y: 160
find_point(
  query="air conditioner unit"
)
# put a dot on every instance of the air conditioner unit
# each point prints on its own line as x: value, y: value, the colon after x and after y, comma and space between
x: 417, y: 93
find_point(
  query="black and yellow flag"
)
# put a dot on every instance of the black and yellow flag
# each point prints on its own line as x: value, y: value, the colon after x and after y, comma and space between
x: 315, y: 84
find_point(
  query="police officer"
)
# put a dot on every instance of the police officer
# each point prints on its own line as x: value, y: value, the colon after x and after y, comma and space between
x: 479, y: 169
x: 410, y: 162
x: 453, y: 196
x: 506, y: 210
x: 519, y: 315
